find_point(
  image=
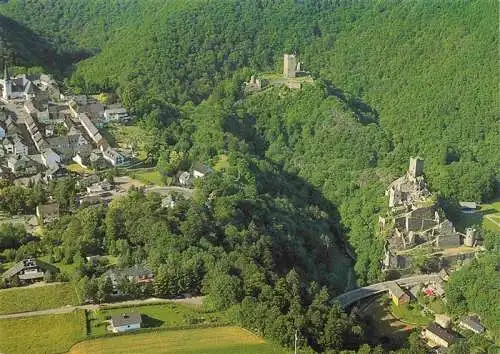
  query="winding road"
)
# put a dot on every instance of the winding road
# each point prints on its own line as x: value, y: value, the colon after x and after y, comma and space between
x: 350, y: 297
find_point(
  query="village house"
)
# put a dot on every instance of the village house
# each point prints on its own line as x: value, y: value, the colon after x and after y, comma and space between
x: 69, y: 145
x: 97, y: 162
x: 473, y: 324
x: 112, y: 156
x: 438, y: 335
x: 91, y: 129
x: 398, y: 295
x: 118, y: 114
x: 49, y: 158
x: 185, y: 178
x: 14, y: 145
x: 11, y: 127
x: 125, y: 322
x: 99, y: 187
x: 8, y: 146
x: 444, y: 275
x: 54, y: 173
x: 22, y: 166
x: 87, y: 180
x: 47, y: 212
x: 137, y: 274
x: 443, y: 320
x: 82, y: 159
x: 28, y: 271
x: 168, y: 202
x: 200, y: 170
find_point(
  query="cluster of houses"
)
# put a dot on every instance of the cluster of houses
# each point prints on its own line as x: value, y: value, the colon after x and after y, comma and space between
x: 415, y: 220
x: 51, y: 134
x: 198, y: 170
x: 438, y: 334
x: 28, y: 271
x: 94, y: 191
x: 31, y: 270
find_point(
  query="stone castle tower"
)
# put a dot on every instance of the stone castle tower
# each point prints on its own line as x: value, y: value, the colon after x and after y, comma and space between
x: 289, y: 65
x: 416, y: 167
x: 7, y: 84
x: 470, y: 237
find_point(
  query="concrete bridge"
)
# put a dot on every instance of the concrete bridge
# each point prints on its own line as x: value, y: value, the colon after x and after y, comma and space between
x: 350, y: 297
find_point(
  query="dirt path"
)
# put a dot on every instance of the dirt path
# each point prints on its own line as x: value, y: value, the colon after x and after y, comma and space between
x: 196, y: 300
x: 490, y: 218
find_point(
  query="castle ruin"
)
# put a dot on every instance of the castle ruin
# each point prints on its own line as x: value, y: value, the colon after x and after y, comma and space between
x: 415, y: 220
x: 289, y: 65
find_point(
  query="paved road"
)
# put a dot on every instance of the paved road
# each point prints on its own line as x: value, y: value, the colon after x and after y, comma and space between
x: 352, y: 296
x: 195, y: 300
x: 18, y: 110
x: 186, y: 192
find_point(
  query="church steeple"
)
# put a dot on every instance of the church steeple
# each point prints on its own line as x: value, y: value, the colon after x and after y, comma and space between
x: 7, y: 84
x: 6, y: 75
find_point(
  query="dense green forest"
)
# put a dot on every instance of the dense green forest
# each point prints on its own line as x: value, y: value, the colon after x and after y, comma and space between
x: 307, y: 169
x: 475, y: 289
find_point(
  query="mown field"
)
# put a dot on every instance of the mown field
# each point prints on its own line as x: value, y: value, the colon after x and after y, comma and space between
x: 410, y: 313
x: 491, y: 215
x: 42, y: 334
x: 148, y: 177
x: 37, y: 298
x: 193, y: 341
x: 168, y: 315
x: 488, y: 216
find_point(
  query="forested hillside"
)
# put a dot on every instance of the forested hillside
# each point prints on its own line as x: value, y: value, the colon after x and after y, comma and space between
x: 419, y: 76
x: 24, y: 47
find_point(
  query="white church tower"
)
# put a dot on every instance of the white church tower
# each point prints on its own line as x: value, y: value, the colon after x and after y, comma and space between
x: 7, y: 84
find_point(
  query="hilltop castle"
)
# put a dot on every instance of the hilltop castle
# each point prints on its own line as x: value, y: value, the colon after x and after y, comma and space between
x: 415, y: 220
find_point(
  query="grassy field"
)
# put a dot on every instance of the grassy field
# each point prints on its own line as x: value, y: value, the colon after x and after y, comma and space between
x: 491, y: 215
x: 37, y: 298
x: 410, y: 313
x: 156, y: 316
x: 436, y: 305
x: 42, y: 334
x: 203, y: 341
x: 74, y: 167
x: 488, y: 216
x: 148, y: 177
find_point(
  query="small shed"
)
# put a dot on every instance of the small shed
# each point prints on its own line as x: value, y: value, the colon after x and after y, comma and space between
x: 472, y: 324
x: 468, y: 207
x: 200, y: 170
x: 124, y: 322
x: 399, y: 295
x: 443, y: 320
x: 185, y: 178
